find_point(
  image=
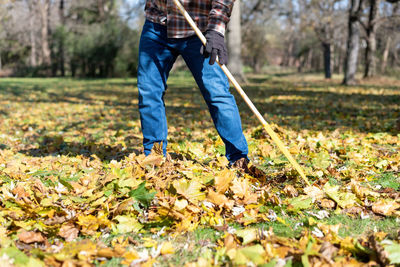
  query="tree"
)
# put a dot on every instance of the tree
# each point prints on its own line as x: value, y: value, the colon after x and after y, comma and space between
x: 255, y: 15
x: 370, y: 29
x: 61, y: 14
x: 234, y: 42
x: 324, y: 18
x: 389, y: 39
x: 32, y: 37
x: 44, y: 11
x: 353, y: 42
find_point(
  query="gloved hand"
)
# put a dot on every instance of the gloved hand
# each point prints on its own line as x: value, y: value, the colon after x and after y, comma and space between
x: 215, y: 46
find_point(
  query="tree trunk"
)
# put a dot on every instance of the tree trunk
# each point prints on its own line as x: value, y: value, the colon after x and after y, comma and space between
x: 287, y: 57
x: 234, y: 42
x: 309, y: 59
x: 32, y: 40
x: 44, y: 7
x: 61, y: 44
x: 393, y: 59
x: 370, y: 58
x: 353, y: 43
x: 100, y: 8
x: 386, y: 54
x: 302, y: 63
x: 327, y: 59
x: 340, y: 61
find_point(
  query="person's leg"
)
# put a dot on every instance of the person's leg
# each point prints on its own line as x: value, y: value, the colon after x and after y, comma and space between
x: 155, y: 61
x: 214, y: 86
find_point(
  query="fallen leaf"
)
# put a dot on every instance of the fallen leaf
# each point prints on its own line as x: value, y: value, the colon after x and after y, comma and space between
x: 189, y: 189
x: 314, y: 192
x: 327, y: 203
x: 290, y: 191
x: 240, y: 187
x: 343, y: 199
x: 223, y: 179
x: 385, y: 207
x: 167, y: 248
x: 300, y: 203
x: 69, y: 232
x: 247, y: 235
x: 393, y: 251
x: 30, y: 237
x: 126, y: 224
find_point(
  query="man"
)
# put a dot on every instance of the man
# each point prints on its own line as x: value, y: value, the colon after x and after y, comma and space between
x: 165, y: 35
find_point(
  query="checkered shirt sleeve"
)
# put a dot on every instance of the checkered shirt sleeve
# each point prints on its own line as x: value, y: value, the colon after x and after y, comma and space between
x: 208, y: 15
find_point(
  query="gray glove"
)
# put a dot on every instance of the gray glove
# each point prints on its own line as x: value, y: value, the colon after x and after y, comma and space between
x: 215, y: 46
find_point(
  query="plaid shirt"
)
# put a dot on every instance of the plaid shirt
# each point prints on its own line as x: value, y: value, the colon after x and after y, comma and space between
x: 208, y: 15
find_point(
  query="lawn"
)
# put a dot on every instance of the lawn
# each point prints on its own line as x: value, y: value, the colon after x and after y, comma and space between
x: 75, y: 189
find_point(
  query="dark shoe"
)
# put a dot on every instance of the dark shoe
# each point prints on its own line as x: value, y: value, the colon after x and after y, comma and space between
x: 244, y: 165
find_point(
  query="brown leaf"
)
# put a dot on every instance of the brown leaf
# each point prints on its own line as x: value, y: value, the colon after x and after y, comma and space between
x: 39, y: 186
x: 20, y: 191
x: 124, y: 205
x: 327, y: 203
x: 69, y: 232
x: 230, y: 242
x: 385, y: 207
x: 106, y: 253
x: 55, y: 220
x: 353, y: 210
x: 290, y: 191
x: 152, y: 159
x: 30, y: 237
x: 382, y: 255
x: 314, y: 192
x: 328, y: 251
x: 220, y: 199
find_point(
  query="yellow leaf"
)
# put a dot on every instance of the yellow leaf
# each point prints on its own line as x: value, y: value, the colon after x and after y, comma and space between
x: 88, y: 223
x: 343, y: 199
x: 243, y: 256
x: 220, y: 199
x: 167, y: 248
x: 126, y: 224
x: 362, y: 191
x: 248, y: 235
x: 84, y: 249
x: 180, y: 204
x: 223, y: 180
x: 130, y: 256
x: 282, y: 221
x: 189, y: 189
x: 149, y: 243
x: 240, y: 187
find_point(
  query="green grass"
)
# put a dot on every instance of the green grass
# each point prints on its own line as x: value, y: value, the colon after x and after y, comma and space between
x: 388, y: 180
x: 41, y: 119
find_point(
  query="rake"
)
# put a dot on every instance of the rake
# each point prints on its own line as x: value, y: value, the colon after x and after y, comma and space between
x: 239, y: 89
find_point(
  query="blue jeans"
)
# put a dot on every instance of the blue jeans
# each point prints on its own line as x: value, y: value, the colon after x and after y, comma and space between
x: 157, y: 54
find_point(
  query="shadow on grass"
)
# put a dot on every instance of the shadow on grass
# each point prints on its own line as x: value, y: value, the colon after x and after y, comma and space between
x: 57, y: 146
x: 316, y: 106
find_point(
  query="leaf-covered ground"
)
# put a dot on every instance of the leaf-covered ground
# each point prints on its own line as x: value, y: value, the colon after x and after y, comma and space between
x: 75, y: 189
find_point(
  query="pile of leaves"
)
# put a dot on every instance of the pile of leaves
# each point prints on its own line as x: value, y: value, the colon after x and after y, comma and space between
x: 65, y: 203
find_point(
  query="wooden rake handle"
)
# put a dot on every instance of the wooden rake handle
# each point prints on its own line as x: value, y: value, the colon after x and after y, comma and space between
x: 239, y: 89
